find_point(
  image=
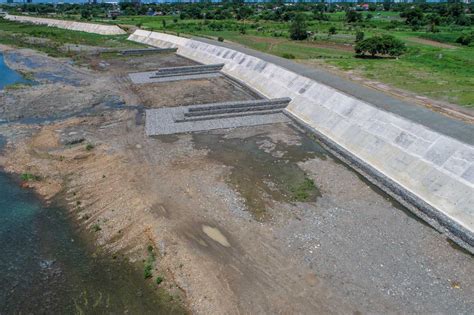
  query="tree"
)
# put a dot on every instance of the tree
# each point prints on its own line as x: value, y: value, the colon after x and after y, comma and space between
x: 298, y: 28
x: 380, y: 45
x: 414, y: 17
x: 353, y: 16
x: 86, y: 14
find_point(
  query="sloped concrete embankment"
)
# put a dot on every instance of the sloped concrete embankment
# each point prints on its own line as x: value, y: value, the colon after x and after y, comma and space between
x: 69, y: 25
x: 429, y: 172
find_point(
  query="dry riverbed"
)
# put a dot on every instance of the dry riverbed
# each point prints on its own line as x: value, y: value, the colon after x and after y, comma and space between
x: 249, y: 220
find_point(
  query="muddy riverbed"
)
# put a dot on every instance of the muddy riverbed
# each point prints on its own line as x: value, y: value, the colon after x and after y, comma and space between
x: 248, y: 220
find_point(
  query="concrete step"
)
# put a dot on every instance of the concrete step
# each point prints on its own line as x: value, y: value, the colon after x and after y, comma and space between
x: 176, y: 74
x: 147, y: 51
x: 240, y: 104
x: 218, y: 111
x: 229, y: 115
x: 186, y: 70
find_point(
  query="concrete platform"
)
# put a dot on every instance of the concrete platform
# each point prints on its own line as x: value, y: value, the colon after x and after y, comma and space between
x: 183, y: 119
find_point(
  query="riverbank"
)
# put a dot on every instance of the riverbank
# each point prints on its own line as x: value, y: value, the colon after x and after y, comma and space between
x: 49, y: 264
x: 249, y: 220
x: 109, y: 280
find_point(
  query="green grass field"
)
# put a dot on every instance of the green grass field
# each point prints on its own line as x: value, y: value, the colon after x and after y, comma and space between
x: 434, y: 65
x: 442, y: 72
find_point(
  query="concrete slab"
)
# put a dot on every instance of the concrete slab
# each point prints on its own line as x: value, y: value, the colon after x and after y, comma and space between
x: 162, y: 121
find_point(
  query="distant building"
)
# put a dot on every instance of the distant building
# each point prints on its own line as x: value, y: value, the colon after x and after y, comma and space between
x: 112, y: 14
x: 136, y: 2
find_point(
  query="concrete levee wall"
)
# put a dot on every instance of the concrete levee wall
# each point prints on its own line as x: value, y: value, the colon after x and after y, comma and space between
x: 436, y: 171
x: 69, y: 25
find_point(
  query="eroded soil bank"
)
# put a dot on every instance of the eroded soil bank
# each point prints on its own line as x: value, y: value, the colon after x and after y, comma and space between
x: 249, y: 220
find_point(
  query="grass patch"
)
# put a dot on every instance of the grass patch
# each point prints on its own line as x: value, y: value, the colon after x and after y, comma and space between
x: 96, y: 227
x: 159, y: 280
x: 149, y: 263
x: 28, y: 177
x: 89, y: 147
x: 304, y: 191
x: 17, y: 86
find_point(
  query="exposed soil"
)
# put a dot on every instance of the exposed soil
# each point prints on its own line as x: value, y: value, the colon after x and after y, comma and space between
x: 224, y: 211
x: 199, y: 91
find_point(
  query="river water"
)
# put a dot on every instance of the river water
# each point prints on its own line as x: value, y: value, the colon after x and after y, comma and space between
x: 48, y: 267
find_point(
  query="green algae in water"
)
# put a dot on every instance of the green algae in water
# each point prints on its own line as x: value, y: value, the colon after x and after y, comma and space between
x: 45, y: 268
x: 258, y: 175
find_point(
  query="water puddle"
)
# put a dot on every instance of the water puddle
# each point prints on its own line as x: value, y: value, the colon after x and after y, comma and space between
x: 46, y: 268
x: 9, y: 76
x: 264, y: 170
x: 215, y: 235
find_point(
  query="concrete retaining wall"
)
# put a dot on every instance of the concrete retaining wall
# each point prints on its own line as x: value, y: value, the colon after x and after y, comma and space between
x: 431, y: 170
x: 69, y: 25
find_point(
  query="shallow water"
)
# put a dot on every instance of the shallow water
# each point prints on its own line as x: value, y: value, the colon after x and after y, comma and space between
x: 9, y: 76
x: 45, y: 267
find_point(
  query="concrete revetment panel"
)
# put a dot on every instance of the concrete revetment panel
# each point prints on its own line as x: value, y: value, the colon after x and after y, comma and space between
x: 422, y: 167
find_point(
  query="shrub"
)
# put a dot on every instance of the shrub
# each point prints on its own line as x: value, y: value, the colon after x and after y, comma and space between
x: 465, y: 39
x: 288, y: 56
x: 147, y: 270
x: 220, y: 39
x: 332, y: 30
x: 359, y: 36
x: 380, y: 45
